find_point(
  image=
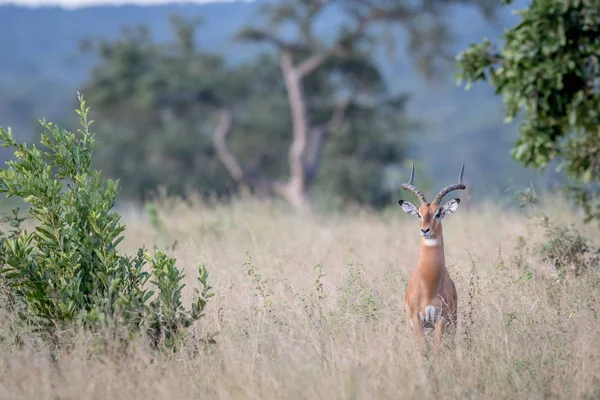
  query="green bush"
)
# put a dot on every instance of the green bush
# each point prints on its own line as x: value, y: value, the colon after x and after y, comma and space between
x: 67, y: 269
x: 566, y: 250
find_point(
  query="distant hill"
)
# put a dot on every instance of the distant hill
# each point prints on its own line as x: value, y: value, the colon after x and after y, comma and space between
x: 39, y: 75
x: 39, y: 48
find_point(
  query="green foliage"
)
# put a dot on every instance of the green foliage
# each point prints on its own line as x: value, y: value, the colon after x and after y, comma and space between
x: 549, y: 67
x: 167, y: 311
x: 359, y: 157
x: 67, y: 268
x: 156, y: 130
x: 566, y: 250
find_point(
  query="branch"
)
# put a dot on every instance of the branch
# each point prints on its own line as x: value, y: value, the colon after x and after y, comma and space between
x: 315, y: 61
x: 219, y: 140
x: 311, y: 63
x: 258, y: 35
x: 495, y: 58
x: 262, y: 185
x: 340, y: 46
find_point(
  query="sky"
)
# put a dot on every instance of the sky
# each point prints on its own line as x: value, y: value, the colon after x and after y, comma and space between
x: 84, y: 3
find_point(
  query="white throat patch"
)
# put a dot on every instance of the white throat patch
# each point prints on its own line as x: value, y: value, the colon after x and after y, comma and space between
x: 430, y: 242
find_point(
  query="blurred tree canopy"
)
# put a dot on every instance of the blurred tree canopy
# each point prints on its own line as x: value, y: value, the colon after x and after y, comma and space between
x: 549, y: 67
x: 314, y: 116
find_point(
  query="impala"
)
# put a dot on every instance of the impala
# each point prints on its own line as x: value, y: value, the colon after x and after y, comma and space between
x: 431, y: 299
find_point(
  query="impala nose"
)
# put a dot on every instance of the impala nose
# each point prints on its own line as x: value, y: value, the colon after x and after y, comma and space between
x: 425, y: 232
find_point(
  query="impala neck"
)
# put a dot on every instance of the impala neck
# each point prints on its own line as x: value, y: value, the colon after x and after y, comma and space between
x: 431, y: 252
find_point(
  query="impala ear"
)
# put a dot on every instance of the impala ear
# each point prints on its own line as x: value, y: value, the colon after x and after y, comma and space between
x: 409, y: 207
x: 449, y: 207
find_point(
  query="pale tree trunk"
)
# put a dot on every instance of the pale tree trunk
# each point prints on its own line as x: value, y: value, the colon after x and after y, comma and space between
x: 295, y: 191
x: 220, y: 144
x: 305, y: 152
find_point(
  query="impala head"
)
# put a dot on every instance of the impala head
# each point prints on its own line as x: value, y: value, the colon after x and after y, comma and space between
x: 431, y: 214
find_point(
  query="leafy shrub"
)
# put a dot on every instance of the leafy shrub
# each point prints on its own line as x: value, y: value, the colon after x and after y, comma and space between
x: 565, y: 250
x: 67, y: 268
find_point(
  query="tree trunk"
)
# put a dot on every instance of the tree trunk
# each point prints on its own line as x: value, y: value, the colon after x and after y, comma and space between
x: 304, y: 160
x: 295, y: 190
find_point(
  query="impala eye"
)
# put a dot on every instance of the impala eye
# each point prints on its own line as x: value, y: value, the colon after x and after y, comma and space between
x: 438, y: 214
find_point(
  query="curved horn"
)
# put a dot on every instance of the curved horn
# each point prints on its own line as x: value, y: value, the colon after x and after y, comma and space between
x: 410, y: 185
x: 460, y: 185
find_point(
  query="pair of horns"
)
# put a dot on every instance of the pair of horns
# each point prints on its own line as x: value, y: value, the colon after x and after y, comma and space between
x: 438, y: 197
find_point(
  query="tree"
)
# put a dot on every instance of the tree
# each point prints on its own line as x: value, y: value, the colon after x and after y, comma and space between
x: 549, y: 67
x: 171, y: 108
x: 345, y: 67
x: 179, y: 114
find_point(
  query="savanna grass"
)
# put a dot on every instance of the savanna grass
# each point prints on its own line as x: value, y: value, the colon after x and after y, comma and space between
x: 312, y: 308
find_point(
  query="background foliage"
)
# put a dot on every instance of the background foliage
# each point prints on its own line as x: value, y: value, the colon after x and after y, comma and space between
x: 437, y: 122
x: 158, y: 102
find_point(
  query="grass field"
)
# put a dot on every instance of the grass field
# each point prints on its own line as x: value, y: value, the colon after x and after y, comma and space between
x: 278, y: 329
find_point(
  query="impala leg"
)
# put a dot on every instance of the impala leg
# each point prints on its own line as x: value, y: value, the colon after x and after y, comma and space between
x: 438, y: 332
x: 418, y: 330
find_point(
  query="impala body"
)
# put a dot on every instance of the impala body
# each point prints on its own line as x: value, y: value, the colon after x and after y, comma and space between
x: 431, y: 300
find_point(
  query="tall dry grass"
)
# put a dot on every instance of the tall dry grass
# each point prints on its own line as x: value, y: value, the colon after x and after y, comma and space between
x: 276, y: 331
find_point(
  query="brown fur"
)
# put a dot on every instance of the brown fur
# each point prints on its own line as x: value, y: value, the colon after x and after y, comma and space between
x: 429, y: 283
